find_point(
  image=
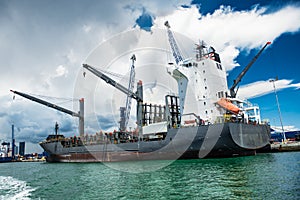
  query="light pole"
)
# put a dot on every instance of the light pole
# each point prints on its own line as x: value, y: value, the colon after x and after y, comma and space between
x: 277, y: 101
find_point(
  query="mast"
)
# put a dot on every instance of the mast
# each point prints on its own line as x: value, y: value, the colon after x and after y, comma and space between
x: 80, y: 114
x: 278, y: 107
x: 233, y: 91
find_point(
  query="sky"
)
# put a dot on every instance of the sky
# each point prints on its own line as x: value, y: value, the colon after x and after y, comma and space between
x: 44, y: 43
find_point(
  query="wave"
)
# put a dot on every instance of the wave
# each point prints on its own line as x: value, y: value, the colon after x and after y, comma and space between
x: 13, y: 189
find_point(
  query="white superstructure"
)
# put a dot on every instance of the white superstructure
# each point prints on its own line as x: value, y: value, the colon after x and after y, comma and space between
x: 206, y: 84
x: 202, y: 84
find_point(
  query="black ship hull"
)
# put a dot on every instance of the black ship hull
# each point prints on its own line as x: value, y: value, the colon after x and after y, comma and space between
x: 217, y: 140
x: 5, y: 159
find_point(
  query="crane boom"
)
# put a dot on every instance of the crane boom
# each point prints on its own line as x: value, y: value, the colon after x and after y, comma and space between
x: 173, y: 44
x: 130, y: 88
x: 112, y: 82
x: 138, y: 96
x: 51, y: 105
x: 56, y: 107
x: 242, y: 74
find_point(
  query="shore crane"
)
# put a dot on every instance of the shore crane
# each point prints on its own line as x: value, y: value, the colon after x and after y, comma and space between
x: 79, y: 114
x: 233, y: 90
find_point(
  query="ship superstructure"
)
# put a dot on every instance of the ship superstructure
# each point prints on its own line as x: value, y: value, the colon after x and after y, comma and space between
x: 205, y: 84
x: 202, y: 85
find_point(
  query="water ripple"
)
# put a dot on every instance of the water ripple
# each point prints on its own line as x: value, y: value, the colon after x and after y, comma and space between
x: 11, y: 188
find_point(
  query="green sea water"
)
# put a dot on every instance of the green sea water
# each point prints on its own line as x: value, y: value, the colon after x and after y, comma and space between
x: 264, y: 176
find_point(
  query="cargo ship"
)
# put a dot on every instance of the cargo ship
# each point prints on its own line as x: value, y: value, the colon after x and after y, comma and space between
x: 218, y: 124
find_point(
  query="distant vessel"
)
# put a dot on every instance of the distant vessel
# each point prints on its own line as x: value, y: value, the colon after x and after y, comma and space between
x: 4, y: 150
x: 219, y: 124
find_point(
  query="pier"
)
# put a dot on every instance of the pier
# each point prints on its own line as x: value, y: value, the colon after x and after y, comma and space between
x: 282, y: 147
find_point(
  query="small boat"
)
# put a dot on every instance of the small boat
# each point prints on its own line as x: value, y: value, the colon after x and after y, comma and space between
x: 226, y: 103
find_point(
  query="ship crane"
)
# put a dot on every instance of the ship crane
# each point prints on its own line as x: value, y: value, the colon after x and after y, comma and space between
x: 112, y: 82
x: 138, y: 96
x: 182, y: 80
x: 129, y: 97
x: 173, y: 44
x: 233, y: 90
x: 80, y: 114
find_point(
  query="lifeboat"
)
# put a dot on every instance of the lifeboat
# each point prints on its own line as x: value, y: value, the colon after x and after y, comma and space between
x: 190, y: 121
x: 226, y: 103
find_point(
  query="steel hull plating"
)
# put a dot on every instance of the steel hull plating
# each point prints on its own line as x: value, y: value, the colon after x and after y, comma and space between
x: 5, y: 159
x: 218, y: 140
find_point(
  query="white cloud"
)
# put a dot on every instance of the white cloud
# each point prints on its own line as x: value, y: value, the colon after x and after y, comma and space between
x: 61, y: 71
x: 157, y: 8
x: 230, y: 31
x: 296, y: 85
x: 72, y: 58
x: 285, y: 128
x: 261, y: 88
x: 86, y: 28
x: 42, y: 51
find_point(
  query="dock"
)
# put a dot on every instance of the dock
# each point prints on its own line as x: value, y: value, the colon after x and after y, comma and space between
x: 282, y: 147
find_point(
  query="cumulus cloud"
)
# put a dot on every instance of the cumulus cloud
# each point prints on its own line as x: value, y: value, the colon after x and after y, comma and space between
x: 278, y: 129
x: 261, y: 88
x: 42, y: 51
x: 61, y: 71
x: 231, y: 31
x: 32, y: 122
x: 86, y: 28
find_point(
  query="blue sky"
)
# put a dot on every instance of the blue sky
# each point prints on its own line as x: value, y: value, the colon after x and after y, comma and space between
x: 44, y: 43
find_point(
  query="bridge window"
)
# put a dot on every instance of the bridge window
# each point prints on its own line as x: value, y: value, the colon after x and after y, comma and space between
x: 220, y: 94
x: 188, y: 65
x: 219, y: 66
